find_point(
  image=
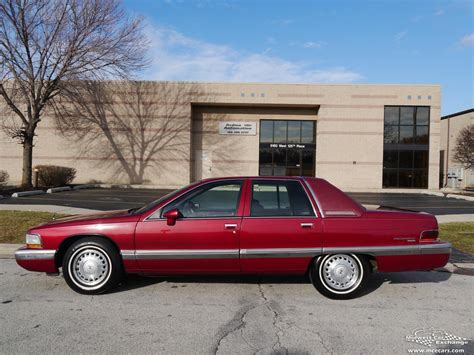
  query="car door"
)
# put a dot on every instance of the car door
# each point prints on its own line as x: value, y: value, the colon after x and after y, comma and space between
x: 281, y: 231
x: 204, y: 239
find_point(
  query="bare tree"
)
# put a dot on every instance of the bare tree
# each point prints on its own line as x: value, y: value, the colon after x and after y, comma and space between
x: 128, y: 123
x: 47, y: 45
x: 464, y: 149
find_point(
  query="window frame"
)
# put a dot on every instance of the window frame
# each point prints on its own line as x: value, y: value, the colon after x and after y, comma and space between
x: 310, y: 147
x: 281, y: 181
x: 159, y: 211
x: 412, y: 147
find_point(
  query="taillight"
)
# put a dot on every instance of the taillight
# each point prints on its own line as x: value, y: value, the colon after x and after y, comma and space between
x: 429, y: 236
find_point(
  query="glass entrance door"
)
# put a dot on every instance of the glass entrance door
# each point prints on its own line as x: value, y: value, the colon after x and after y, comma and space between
x: 287, y: 148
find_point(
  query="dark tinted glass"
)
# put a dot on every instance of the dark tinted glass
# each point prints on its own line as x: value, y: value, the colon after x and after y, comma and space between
x: 287, y: 160
x: 307, y: 132
x: 405, y: 178
x: 390, y: 134
x: 391, y: 115
x: 422, y: 115
x: 294, y: 131
x: 266, y: 131
x: 279, y: 199
x: 390, y: 159
x: 421, y: 159
x: 390, y: 177
x: 279, y: 157
x: 420, y: 179
x: 265, y: 170
x: 407, y: 115
x: 406, y: 134
x: 293, y: 162
x: 279, y: 132
x: 422, y: 136
x: 307, y: 160
x: 406, y: 159
x: 406, y: 140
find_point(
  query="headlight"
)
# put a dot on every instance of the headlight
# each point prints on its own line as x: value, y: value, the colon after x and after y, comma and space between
x: 33, y: 240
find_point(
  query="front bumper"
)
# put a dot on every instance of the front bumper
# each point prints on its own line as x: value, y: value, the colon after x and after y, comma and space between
x: 41, y: 260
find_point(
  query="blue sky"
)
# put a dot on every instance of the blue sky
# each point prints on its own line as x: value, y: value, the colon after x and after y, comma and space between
x: 358, y: 41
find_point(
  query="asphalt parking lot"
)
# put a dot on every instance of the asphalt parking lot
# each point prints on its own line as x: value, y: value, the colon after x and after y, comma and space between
x: 238, y: 315
x: 116, y: 198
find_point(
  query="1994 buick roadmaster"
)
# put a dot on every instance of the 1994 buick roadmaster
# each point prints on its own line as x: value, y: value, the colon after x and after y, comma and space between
x: 247, y: 225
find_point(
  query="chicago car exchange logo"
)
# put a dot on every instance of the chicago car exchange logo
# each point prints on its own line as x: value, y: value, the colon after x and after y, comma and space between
x: 431, y: 336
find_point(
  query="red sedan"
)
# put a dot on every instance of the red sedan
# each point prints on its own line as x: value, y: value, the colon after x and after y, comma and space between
x: 248, y: 225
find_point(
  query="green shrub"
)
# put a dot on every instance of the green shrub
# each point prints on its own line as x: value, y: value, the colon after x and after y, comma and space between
x: 4, y: 177
x: 52, y: 175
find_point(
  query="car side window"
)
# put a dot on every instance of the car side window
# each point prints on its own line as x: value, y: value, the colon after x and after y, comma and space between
x: 279, y: 199
x: 210, y: 200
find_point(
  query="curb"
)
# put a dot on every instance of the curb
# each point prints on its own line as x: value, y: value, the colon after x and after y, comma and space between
x: 433, y: 193
x: 58, y: 189
x: 28, y: 193
x: 449, y: 218
x: 86, y: 186
x: 7, y: 251
x: 460, y: 197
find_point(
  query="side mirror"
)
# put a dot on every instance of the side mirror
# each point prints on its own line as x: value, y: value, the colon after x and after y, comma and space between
x: 171, y: 216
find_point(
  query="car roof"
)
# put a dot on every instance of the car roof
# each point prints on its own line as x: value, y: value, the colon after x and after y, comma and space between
x: 259, y: 178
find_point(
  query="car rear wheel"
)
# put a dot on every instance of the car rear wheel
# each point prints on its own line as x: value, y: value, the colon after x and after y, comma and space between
x: 339, y: 276
x: 92, y: 266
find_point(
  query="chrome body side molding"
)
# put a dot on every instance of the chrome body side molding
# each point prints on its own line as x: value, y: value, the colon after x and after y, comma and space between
x: 418, y: 249
x: 280, y: 252
x: 35, y: 254
x: 181, y: 254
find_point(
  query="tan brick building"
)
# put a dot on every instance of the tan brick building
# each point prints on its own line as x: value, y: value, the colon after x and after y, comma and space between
x: 359, y: 137
x: 453, y: 174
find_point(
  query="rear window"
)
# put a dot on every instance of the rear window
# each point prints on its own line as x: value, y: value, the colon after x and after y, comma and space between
x: 333, y: 201
x: 279, y: 199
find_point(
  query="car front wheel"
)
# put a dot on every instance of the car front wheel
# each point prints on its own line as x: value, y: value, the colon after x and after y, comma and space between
x: 339, y: 276
x: 92, y: 266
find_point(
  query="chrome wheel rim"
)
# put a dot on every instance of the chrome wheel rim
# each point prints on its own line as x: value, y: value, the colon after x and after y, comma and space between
x: 341, y: 273
x: 90, y: 267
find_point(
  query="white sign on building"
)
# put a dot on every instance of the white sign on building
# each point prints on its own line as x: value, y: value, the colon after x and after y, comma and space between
x: 238, y: 128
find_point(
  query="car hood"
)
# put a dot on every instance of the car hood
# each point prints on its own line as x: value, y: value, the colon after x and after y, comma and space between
x: 89, y: 217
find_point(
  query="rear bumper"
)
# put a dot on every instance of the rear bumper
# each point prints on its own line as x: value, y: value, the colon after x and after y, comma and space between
x: 41, y: 260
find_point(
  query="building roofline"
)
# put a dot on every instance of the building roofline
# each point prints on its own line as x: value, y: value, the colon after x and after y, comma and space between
x: 304, y: 84
x: 458, y: 113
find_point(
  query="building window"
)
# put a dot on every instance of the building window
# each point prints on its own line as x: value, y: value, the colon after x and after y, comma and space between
x: 406, y: 146
x: 287, y: 148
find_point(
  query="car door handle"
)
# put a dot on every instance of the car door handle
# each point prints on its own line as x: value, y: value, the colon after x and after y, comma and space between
x: 230, y: 226
x: 306, y: 225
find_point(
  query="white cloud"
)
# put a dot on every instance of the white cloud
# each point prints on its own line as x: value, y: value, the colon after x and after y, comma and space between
x: 311, y: 44
x: 468, y: 40
x: 399, y: 36
x: 308, y: 44
x: 178, y: 57
x: 439, y: 13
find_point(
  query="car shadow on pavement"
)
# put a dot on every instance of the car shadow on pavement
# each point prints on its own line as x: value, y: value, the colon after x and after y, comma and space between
x: 133, y: 281
x: 376, y: 280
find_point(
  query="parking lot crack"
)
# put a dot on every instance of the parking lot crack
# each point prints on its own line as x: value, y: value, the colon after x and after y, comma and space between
x: 278, y: 330
x: 237, y: 324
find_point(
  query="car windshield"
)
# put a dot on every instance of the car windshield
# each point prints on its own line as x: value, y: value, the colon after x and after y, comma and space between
x: 155, y: 203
